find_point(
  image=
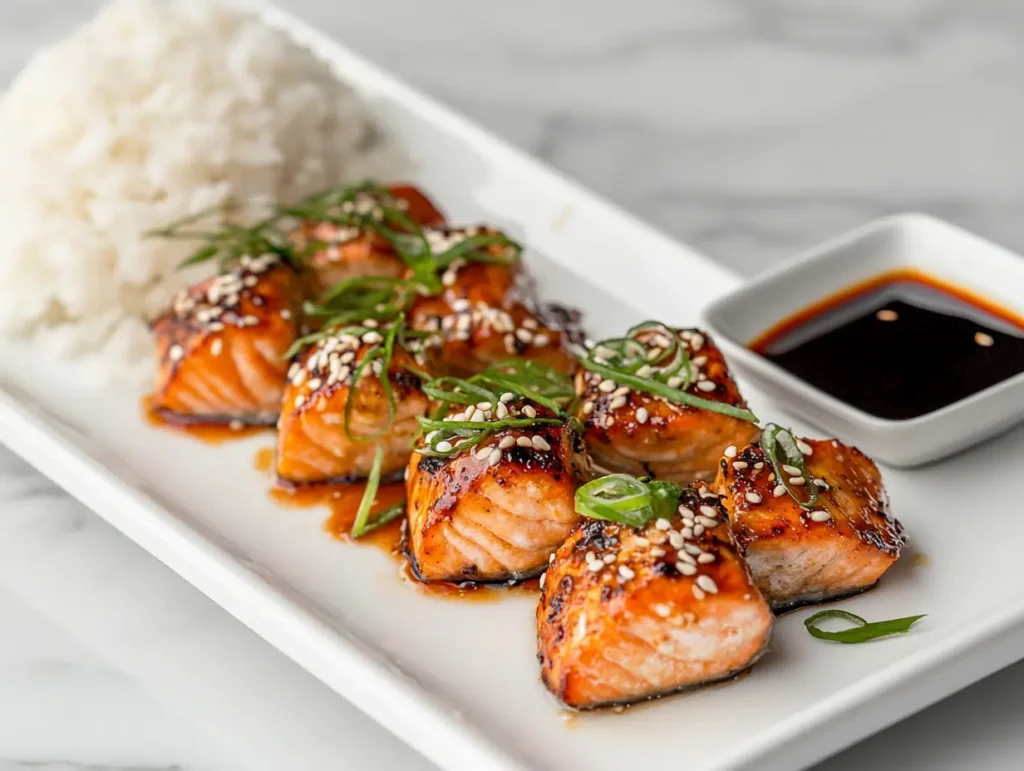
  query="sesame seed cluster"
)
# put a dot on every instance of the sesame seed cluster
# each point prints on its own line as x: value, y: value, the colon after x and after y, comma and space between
x: 219, y: 305
x: 367, y: 204
x: 607, y: 397
x: 793, y: 476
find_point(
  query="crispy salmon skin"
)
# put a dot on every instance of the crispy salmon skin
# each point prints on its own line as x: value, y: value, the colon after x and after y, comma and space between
x: 634, y: 432
x: 497, y: 511
x: 628, y: 614
x: 314, y: 442
x: 797, y: 556
x: 221, y: 346
x: 339, y: 248
x: 485, y: 314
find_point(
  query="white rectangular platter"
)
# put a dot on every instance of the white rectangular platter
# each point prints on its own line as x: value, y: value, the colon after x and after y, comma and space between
x: 459, y: 681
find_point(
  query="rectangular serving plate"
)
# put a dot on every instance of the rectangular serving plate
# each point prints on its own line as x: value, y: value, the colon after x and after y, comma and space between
x: 459, y: 680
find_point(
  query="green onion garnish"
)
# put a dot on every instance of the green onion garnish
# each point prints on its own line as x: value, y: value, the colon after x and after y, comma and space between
x: 780, y: 447
x: 524, y: 379
x: 362, y: 524
x: 632, y: 363
x: 862, y: 631
x: 627, y: 500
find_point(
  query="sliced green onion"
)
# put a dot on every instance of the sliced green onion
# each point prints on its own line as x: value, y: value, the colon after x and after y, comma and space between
x: 362, y: 524
x: 780, y: 447
x: 657, y: 388
x: 380, y: 520
x: 863, y: 631
x: 627, y: 500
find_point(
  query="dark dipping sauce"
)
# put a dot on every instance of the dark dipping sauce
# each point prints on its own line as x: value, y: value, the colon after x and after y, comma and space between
x: 899, y: 346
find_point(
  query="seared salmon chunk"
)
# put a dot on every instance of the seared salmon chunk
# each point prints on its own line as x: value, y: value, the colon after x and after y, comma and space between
x: 344, y: 241
x: 498, y: 510
x: 486, y: 313
x: 628, y: 614
x: 331, y: 425
x: 834, y: 535
x: 221, y: 346
x: 633, y: 431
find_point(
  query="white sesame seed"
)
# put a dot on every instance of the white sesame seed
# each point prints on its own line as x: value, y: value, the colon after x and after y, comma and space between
x: 709, y: 511
x: 985, y: 341
x: 595, y: 566
x: 820, y: 516
x: 707, y: 522
x: 698, y: 530
x: 285, y: 314
x: 541, y: 443
x: 698, y: 592
x: 692, y: 548
x: 529, y: 411
x: 675, y: 539
x: 644, y: 371
x: 590, y: 556
x: 507, y: 397
x: 706, y: 385
x: 779, y: 491
x: 759, y: 465
x: 663, y: 524
x: 705, y: 559
x: 753, y: 497
x: 706, y: 493
x: 372, y: 338
x: 675, y: 381
x: 478, y: 416
x: 739, y: 465
x: 626, y: 573
x: 687, y: 532
x: 299, y: 400
x: 485, y: 406
x: 730, y: 451
x: 793, y: 470
x: 683, y: 556
x: 618, y: 401
x: 608, y: 559
x: 641, y: 415
x: 707, y: 583
x: 657, y: 551
x: 607, y: 386
x: 444, y: 446
x: 235, y: 425
x: 662, y: 610
x: 621, y: 391
x: 495, y: 457
x: 541, y: 340
x: 609, y: 421
x: 804, y: 447
x: 502, y: 411
x: 588, y: 407
x: 524, y: 441
x: 797, y: 481
x: 482, y: 452
x: 543, y: 578
x: 686, y: 568
x: 506, y: 442
x: 216, y: 347
x: 175, y: 352
x: 700, y: 361
x: 887, y: 315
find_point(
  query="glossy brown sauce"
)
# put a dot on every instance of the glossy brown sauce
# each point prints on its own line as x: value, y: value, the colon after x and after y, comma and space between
x: 342, y: 501
x: 447, y: 590
x: 204, y: 432
x: 900, y: 345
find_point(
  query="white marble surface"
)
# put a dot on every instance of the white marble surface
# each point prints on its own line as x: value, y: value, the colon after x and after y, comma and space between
x: 748, y: 128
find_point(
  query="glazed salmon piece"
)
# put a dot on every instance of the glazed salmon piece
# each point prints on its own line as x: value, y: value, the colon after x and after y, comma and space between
x: 313, y: 443
x: 486, y: 313
x: 840, y: 546
x: 628, y: 614
x: 345, y: 251
x: 636, y: 433
x: 221, y: 346
x: 497, y: 511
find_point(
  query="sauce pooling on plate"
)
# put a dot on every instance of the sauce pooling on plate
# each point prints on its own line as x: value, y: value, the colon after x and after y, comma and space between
x: 899, y: 346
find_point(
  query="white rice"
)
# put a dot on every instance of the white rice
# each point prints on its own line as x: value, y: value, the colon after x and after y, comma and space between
x: 150, y: 112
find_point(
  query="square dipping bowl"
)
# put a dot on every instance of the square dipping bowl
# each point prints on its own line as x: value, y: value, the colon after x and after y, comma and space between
x: 942, y: 251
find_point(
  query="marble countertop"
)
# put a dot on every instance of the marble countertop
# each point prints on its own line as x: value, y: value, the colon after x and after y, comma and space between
x: 748, y: 128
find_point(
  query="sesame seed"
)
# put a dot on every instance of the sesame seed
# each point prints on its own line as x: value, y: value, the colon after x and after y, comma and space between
x: 700, y: 361
x: 644, y: 371
x: 595, y: 566
x: 706, y: 493
x: 541, y: 340
x: 687, y: 532
x: 524, y: 441
x: 495, y: 457
x: 444, y: 446
x: 692, y: 548
x: 675, y: 381
x: 730, y: 451
x: 662, y: 610
x: 609, y: 421
x: 779, y: 491
x: 759, y: 465
x: 820, y: 516
x: 698, y: 530
x: 299, y: 400
x: 887, y: 315
x: 506, y: 442
x: 698, y: 592
x: 543, y: 577
x: 753, y: 497
x: 985, y: 341
x: 663, y: 524
x: 618, y: 401
x: 706, y: 385
x: 739, y: 465
x: 791, y: 470
x: 175, y: 352
x: 588, y: 407
x: 626, y: 573
x: 541, y: 443
x: 507, y: 397
x: 707, y: 522
x: 797, y: 481
x: 657, y: 551
x: 641, y: 415
x: 682, y: 556
x: 707, y: 583
x: 502, y: 411
x: 686, y: 568
x: 641, y: 541
x: 621, y: 391
x: 524, y: 335
x: 709, y: 511
x: 478, y: 416
x: 235, y: 425
x: 216, y: 347
x: 607, y: 386
x: 685, y: 512
x: 529, y: 411
x: 285, y: 314
x: 804, y: 447
x: 675, y: 539
x: 485, y: 406
x: 372, y: 338
x: 705, y: 559
x: 482, y: 452
x: 590, y: 556
x: 608, y: 559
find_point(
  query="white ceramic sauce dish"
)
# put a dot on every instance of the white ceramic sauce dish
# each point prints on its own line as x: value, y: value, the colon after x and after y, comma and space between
x: 906, y: 241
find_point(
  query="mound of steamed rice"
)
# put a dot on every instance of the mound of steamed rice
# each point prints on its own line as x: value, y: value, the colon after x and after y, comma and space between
x: 151, y: 112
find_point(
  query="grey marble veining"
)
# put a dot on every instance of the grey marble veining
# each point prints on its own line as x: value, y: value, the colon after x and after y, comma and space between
x: 748, y: 128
